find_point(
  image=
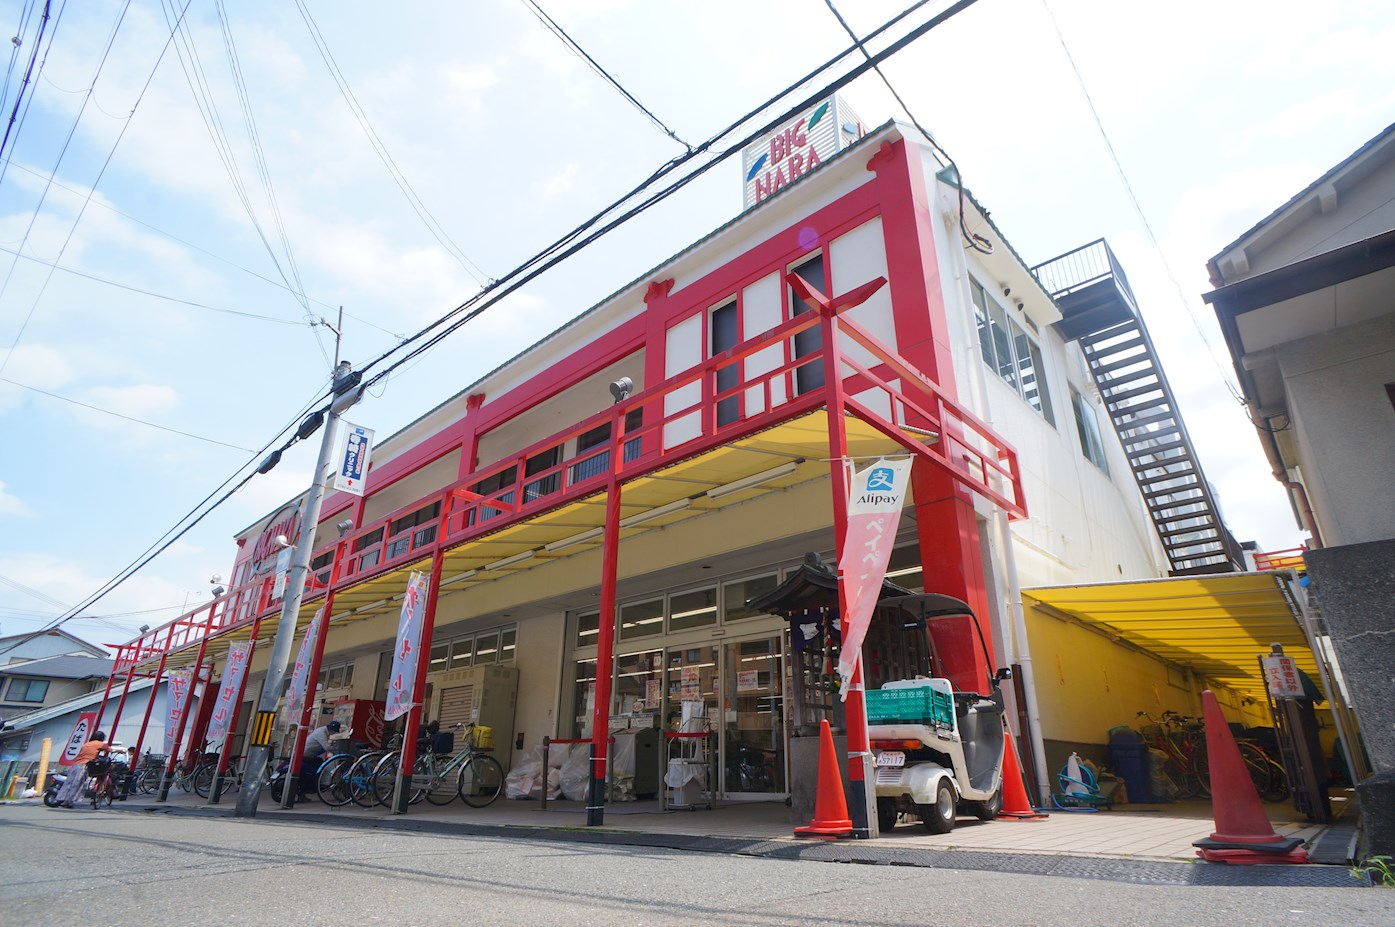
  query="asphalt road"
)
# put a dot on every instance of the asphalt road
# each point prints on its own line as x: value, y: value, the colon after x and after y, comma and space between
x: 160, y: 870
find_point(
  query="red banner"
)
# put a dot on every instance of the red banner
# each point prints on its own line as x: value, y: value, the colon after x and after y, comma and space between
x: 225, y: 709
x: 177, y: 699
x: 875, y: 496
x: 300, y: 677
x: 403, y: 679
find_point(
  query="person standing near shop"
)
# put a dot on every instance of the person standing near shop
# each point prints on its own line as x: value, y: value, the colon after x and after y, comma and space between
x: 317, y: 749
x: 77, y: 772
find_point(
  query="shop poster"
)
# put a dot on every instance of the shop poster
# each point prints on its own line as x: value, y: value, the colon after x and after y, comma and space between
x: 300, y: 676
x: 403, y: 679
x: 875, y: 496
x: 225, y: 709
x: 180, y: 682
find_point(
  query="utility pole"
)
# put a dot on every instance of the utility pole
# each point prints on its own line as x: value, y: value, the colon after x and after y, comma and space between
x: 346, y: 393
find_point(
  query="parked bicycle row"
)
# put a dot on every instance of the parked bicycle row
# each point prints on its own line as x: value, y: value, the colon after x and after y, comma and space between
x: 1178, y: 745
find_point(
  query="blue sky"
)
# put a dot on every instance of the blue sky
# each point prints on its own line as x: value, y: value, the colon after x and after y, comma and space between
x: 1217, y: 112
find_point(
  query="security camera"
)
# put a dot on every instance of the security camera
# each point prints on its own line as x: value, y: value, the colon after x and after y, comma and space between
x: 282, y: 541
x: 1007, y: 291
x: 1019, y: 305
x: 216, y: 578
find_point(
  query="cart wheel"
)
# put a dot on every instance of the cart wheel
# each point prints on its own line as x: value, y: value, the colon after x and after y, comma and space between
x: 887, y: 814
x: 988, y: 810
x: 938, y: 818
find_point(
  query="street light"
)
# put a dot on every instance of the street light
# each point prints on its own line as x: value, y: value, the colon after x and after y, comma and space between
x: 346, y: 379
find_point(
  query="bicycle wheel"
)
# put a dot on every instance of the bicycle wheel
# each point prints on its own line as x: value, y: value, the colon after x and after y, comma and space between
x: 1257, y: 764
x: 333, y: 781
x: 96, y: 793
x: 360, y: 779
x: 481, y: 780
x: 384, y: 778
x: 441, y: 789
x: 108, y: 790
x: 203, y: 780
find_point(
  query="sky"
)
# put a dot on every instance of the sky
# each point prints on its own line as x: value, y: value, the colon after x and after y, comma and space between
x: 167, y: 263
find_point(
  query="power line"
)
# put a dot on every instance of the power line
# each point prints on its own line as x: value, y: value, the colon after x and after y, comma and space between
x: 576, y: 49
x: 434, y: 227
x: 28, y: 73
x: 1138, y: 208
x: 555, y: 253
x: 43, y: 60
x: 138, y: 421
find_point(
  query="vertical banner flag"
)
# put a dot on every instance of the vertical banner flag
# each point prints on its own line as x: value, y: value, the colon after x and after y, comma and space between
x: 351, y: 463
x: 874, y: 512
x: 403, y: 680
x: 225, y: 709
x: 177, y: 699
x: 300, y: 676
x: 82, y: 733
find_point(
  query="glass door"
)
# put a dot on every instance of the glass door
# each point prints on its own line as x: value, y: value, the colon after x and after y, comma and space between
x: 753, y: 696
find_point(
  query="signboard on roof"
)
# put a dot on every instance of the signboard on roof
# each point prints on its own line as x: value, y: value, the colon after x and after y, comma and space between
x: 795, y: 148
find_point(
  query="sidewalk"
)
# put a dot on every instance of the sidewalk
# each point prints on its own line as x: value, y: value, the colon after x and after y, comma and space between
x: 1142, y: 843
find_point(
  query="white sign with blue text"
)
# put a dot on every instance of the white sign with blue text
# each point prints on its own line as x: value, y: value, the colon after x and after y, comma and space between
x: 351, y: 470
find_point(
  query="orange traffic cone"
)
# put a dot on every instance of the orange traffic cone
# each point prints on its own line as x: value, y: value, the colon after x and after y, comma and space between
x: 830, y: 808
x: 1243, y: 833
x: 1016, y: 806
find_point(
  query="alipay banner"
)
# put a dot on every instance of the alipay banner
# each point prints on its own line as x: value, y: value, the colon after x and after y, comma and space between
x: 875, y: 496
x: 402, y: 682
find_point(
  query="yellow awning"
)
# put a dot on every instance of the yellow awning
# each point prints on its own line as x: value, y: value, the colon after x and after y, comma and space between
x: 1217, y: 624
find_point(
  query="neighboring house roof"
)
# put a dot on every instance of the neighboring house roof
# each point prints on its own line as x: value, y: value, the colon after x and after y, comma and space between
x: 93, y: 649
x: 1319, y: 190
x: 30, y: 719
x: 69, y: 666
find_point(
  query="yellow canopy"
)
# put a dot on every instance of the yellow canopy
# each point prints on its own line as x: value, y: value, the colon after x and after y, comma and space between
x: 1216, y: 624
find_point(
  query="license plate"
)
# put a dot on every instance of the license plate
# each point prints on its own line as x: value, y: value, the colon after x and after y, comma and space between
x: 891, y: 758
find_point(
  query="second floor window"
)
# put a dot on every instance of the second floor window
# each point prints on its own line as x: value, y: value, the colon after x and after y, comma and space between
x: 27, y: 690
x: 1088, y: 426
x: 1011, y: 352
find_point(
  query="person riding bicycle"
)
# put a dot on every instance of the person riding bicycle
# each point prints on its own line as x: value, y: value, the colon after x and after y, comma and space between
x: 317, y: 750
x: 77, y: 772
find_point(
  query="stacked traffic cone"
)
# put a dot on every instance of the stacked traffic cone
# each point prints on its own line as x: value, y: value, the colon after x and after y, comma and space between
x: 1243, y: 833
x: 830, y: 807
x: 1016, y: 806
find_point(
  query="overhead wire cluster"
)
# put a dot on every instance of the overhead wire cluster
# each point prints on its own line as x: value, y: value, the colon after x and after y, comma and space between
x: 709, y: 153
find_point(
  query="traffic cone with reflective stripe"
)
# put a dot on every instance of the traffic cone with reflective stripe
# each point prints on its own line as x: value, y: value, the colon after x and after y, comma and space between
x: 1016, y: 806
x: 1243, y: 833
x: 830, y: 807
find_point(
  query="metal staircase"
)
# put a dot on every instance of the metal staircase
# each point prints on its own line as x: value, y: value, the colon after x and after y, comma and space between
x: 1100, y: 313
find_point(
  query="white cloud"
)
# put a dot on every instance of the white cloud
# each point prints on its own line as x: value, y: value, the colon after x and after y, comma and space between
x: 11, y: 504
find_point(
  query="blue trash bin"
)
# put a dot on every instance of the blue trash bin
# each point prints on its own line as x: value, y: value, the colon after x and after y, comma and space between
x: 1130, y: 756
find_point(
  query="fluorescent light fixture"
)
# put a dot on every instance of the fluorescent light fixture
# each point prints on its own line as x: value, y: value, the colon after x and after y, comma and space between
x: 752, y: 481
x: 370, y: 606
x: 574, y: 539
x: 460, y: 578
x: 510, y: 561
x: 652, y: 514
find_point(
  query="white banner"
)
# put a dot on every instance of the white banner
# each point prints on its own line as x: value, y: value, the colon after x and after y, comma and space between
x: 351, y: 463
x: 82, y: 733
x: 225, y: 709
x: 300, y: 676
x: 403, y: 680
x: 875, y: 496
x: 176, y: 699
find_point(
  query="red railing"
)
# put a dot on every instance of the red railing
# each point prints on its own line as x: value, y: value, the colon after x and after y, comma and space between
x: 681, y: 417
x: 1289, y: 559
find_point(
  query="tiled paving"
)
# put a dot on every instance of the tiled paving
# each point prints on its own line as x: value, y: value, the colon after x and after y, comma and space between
x: 1159, y: 832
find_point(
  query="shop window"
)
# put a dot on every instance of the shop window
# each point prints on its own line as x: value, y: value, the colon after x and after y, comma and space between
x: 694, y: 609
x: 638, y: 681
x: 588, y: 626
x: 1010, y: 352
x: 368, y: 540
x: 540, y: 463
x: 583, y: 698
x: 487, y: 648
x: 371, y: 557
x: 735, y: 595
x: 634, y: 421
x: 27, y: 690
x: 593, y: 464
x: 508, y: 642
x: 488, y: 487
x: 1088, y: 427
x: 724, y: 334
x: 322, y: 566
x: 641, y: 619
x: 903, y: 568
x: 440, y: 658
x: 810, y: 341
x: 338, y: 676
x: 461, y: 652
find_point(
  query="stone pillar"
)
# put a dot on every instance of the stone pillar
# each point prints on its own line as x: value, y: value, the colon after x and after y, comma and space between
x: 1354, y: 587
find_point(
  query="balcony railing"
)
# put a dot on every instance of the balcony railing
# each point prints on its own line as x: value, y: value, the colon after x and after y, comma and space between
x: 1078, y: 269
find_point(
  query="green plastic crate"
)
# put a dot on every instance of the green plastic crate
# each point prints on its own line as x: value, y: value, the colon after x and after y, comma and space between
x: 910, y: 705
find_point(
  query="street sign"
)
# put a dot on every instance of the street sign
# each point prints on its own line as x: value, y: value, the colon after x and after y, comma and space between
x: 283, y: 567
x: 351, y: 468
x: 82, y: 732
x: 1281, y: 675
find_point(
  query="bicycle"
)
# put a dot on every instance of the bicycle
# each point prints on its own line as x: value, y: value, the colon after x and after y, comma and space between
x: 1182, y: 741
x: 359, y: 776
x: 103, y: 788
x: 206, y: 772
x: 472, y: 775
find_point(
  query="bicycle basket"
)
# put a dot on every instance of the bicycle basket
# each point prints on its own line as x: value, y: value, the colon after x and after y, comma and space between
x: 482, y: 738
x: 98, y: 767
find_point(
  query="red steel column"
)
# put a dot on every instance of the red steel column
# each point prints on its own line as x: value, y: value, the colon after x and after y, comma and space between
x: 150, y: 704
x: 854, y: 708
x: 173, y: 759
x: 409, y: 735
x: 101, y: 708
x: 605, y: 649
x: 125, y: 690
